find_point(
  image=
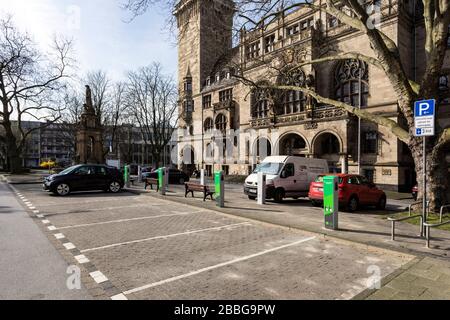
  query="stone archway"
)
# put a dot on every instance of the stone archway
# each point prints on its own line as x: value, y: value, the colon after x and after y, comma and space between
x: 328, y: 145
x: 293, y: 144
x: 262, y: 148
x: 188, y: 160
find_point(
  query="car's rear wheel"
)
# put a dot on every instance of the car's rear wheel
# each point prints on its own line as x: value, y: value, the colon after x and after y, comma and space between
x: 353, y: 204
x: 114, y: 187
x: 381, y: 203
x: 62, y: 189
x: 279, y: 195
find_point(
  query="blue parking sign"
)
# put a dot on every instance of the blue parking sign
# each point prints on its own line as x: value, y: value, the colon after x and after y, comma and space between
x: 425, y: 118
x: 424, y: 108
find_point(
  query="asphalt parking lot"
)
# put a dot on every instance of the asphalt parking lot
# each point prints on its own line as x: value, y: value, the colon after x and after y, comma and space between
x: 149, y: 248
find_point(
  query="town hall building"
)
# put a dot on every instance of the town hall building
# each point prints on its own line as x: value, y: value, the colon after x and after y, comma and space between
x: 215, y: 73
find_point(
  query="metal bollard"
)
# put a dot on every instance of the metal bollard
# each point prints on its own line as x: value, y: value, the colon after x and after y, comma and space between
x: 261, y: 188
x: 202, y: 177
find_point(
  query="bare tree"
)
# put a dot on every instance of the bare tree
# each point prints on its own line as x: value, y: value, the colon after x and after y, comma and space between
x: 29, y: 81
x: 151, y: 99
x: 115, y: 115
x: 100, y: 85
x: 385, y: 56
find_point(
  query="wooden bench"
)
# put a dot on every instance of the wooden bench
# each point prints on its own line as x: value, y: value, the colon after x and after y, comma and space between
x: 195, y: 187
x: 150, y: 182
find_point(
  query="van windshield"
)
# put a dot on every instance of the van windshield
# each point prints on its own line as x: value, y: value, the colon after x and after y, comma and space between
x: 269, y: 168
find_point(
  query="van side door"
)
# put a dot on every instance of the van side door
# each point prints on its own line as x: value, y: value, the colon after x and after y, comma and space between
x: 303, y: 178
x: 288, y: 179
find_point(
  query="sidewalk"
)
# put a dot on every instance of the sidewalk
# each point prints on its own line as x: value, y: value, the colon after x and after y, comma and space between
x: 427, y: 277
x: 30, y: 268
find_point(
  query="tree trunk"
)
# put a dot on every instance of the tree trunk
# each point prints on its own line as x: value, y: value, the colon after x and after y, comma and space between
x: 436, y: 174
x: 13, y: 152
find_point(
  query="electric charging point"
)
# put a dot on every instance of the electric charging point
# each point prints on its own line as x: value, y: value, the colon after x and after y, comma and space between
x: 261, y: 188
x: 162, y: 180
x: 126, y: 176
x: 202, y: 177
x: 331, y: 202
x: 219, y: 181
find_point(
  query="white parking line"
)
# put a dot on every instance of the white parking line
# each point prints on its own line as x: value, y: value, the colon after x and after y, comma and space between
x: 59, y: 236
x: 124, y: 220
x: 119, y: 297
x: 98, y: 277
x: 220, y: 265
x: 166, y: 236
x: 82, y: 259
x: 83, y: 201
x: 69, y: 245
x: 52, y: 228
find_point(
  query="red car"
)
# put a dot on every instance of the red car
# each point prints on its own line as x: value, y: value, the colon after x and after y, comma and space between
x: 354, y: 190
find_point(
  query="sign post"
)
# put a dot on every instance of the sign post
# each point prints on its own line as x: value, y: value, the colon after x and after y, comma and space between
x: 331, y: 202
x: 424, y: 119
x: 220, y: 188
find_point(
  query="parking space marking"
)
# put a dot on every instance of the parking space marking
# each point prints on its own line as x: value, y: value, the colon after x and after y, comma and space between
x: 82, y: 259
x: 98, y: 277
x: 166, y: 236
x: 123, y: 220
x: 59, y: 236
x: 40, y: 216
x: 83, y: 201
x: 52, y: 228
x: 45, y: 221
x: 220, y: 265
x: 119, y: 297
x: 69, y: 245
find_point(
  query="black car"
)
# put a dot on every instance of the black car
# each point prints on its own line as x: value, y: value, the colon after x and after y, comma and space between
x: 175, y: 176
x: 84, y: 178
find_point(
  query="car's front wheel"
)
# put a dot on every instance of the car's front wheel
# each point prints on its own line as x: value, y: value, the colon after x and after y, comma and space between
x: 251, y: 197
x: 381, y: 205
x: 181, y: 181
x: 114, y: 187
x: 62, y: 189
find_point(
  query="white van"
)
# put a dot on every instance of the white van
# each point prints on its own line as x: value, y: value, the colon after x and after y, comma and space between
x: 287, y: 177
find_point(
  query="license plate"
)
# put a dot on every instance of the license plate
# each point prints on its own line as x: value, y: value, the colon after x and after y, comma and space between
x: 252, y: 191
x: 320, y: 189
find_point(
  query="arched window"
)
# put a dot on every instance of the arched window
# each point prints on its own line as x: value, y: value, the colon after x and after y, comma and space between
x: 292, y: 101
x: 209, y: 125
x: 347, y: 82
x: 221, y: 122
x: 260, y: 104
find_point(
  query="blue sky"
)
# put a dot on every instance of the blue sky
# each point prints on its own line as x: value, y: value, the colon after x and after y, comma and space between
x: 103, y: 40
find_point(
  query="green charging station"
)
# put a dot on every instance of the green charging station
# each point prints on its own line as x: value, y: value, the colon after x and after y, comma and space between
x: 331, y: 202
x: 126, y: 175
x: 162, y: 180
x: 219, y: 183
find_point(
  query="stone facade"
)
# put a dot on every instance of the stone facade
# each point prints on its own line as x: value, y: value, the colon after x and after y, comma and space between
x: 215, y: 100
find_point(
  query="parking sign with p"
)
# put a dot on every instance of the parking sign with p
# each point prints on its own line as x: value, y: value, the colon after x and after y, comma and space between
x: 424, y: 117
